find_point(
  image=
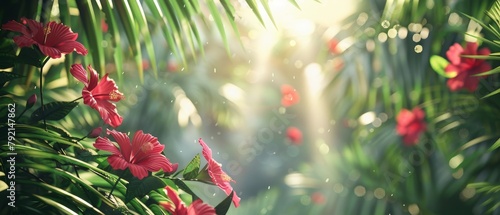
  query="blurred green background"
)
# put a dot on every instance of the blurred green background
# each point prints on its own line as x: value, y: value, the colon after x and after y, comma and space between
x: 214, y: 69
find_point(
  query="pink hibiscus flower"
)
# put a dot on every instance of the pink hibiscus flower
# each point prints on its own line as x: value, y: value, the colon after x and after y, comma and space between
x: 464, y: 68
x: 410, y: 124
x: 141, y: 156
x: 52, y: 39
x: 177, y: 207
x: 99, y: 95
x: 218, y: 176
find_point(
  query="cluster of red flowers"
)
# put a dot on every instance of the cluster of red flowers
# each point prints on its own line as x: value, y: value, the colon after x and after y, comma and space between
x: 463, y: 69
x: 141, y: 155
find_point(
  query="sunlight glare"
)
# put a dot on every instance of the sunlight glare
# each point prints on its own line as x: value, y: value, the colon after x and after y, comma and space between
x: 232, y: 92
x: 367, y: 118
x: 314, y: 77
x: 187, y: 110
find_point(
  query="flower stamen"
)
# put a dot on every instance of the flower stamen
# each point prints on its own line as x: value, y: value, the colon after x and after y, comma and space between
x: 46, y: 31
x: 146, y: 147
x: 226, y: 177
x: 113, y: 95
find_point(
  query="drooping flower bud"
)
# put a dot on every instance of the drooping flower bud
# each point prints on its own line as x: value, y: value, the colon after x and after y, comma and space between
x: 31, y: 101
x: 95, y: 133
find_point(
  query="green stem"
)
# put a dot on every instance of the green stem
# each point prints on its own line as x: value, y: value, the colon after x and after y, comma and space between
x: 41, y: 89
x: 114, y: 186
x: 19, y: 117
x: 177, y: 173
x: 77, y: 99
x: 41, y: 97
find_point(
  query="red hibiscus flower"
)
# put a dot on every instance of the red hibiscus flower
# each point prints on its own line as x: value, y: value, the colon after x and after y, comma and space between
x: 177, y: 207
x: 52, y: 39
x: 294, y: 135
x: 218, y: 176
x: 141, y: 156
x: 289, y: 96
x: 464, y: 68
x: 99, y: 95
x: 410, y: 124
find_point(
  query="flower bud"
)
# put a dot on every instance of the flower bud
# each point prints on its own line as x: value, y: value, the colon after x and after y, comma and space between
x: 31, y: 101
x: 95, y: 133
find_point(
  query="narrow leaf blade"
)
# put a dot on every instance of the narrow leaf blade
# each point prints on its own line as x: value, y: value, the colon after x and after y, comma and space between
x: 223, y: 207
x: 53, y: 111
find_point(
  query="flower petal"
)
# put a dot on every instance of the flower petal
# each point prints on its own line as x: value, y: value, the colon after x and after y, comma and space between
x: 206, y: 151
x: 167, y: 206
x: 67, y: 47
x: 146, y: 143
x: 457, y: 82
x: 50, y: 51
x: 57, y: 33
x: 103, y: 143
x: 197, y: 207
x: 484, y: 51
x: 454, y: 52
x: 107, y: 89
x: 117, y: 162
x: 16, y: 27
x: 94, y: 78
x: 138, y: 171
x: 419, y: 113
x: 174, y: 197
x: 156, y: 162
x: 405, y: 117
x: 236, y: 200
x: 123, y: 141
x: 79, y: 73
x: 36, y: 30
x: 470, y: 48
x: 109, y: 113
x: 24, y: 41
